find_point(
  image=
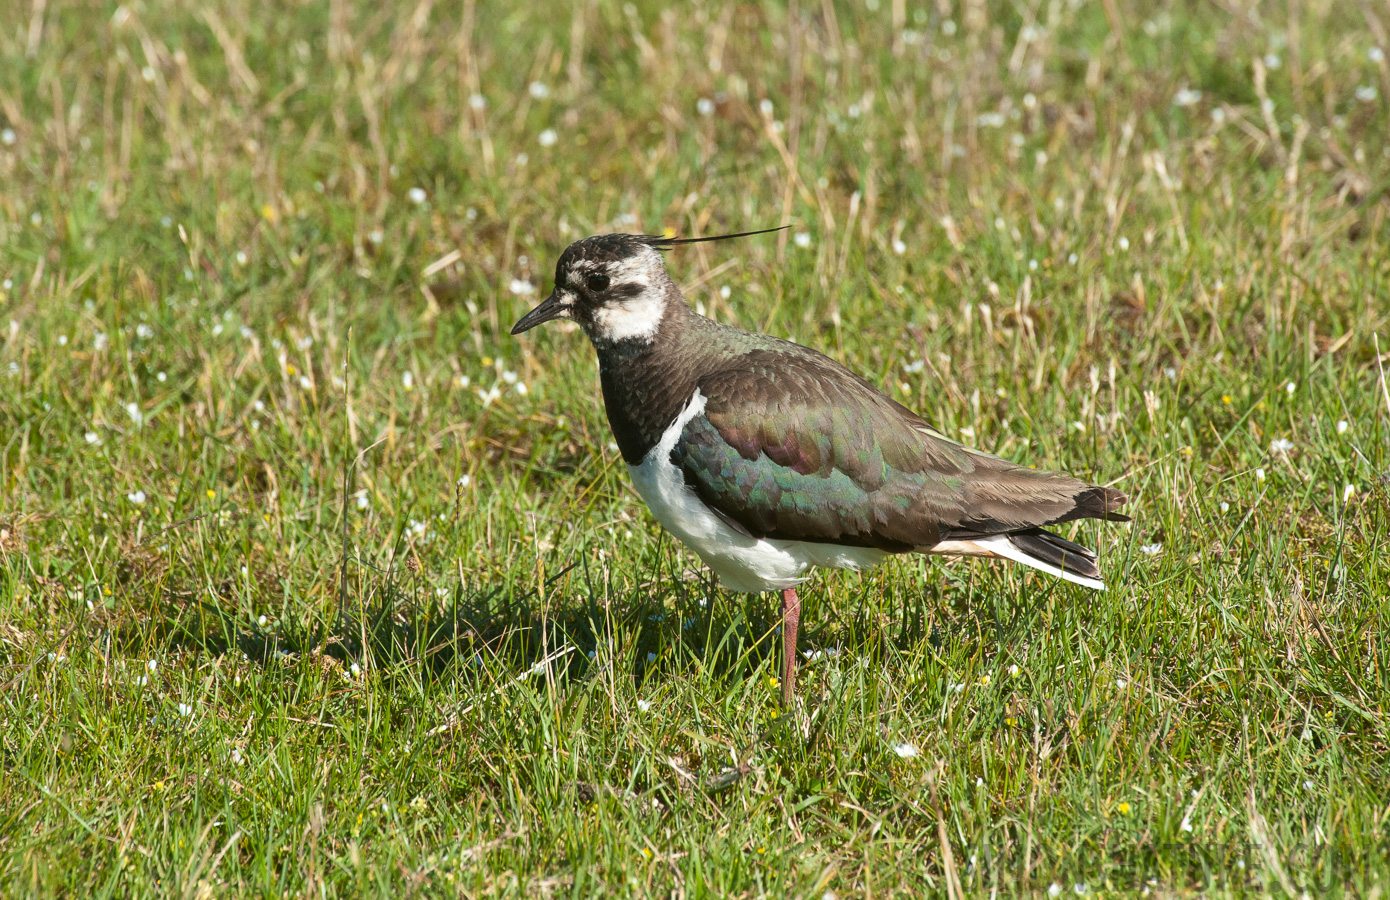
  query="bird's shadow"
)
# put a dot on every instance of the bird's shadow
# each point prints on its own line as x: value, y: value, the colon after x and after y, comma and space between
x: 394, y: 619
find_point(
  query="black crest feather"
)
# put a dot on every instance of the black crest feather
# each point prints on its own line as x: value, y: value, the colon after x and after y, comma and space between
x: 665, y: 243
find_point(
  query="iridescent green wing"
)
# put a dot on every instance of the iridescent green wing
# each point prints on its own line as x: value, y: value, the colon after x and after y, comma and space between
x: 791, y: 445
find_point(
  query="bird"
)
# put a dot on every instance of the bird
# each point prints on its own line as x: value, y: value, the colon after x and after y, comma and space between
x: 769, y: 459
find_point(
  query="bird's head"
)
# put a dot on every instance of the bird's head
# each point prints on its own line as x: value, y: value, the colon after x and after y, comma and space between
x: 615, y: 286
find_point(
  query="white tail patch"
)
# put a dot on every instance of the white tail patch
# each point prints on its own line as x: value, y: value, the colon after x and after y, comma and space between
x: 998, y: 546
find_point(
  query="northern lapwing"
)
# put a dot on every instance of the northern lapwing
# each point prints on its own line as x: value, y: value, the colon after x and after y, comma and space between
x: 767, y: 458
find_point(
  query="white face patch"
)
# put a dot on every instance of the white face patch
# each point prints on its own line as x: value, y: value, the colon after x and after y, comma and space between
x: 641, y: 279
x: 635, y: 319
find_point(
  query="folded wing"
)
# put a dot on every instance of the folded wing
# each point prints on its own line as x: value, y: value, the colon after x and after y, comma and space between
x: 792, y: 445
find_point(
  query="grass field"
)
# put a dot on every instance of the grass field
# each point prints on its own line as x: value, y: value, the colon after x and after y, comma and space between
x: 314, y: 582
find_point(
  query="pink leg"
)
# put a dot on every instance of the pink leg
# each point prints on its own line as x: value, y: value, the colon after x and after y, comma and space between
x: 791, y: 618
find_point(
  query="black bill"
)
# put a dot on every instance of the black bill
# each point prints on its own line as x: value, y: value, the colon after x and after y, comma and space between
x: 549, y: 308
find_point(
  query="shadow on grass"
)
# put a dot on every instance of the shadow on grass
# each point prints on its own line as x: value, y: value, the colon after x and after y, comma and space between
x: 396, y: 620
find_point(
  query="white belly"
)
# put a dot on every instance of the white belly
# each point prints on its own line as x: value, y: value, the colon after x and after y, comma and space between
x: 740, y: 562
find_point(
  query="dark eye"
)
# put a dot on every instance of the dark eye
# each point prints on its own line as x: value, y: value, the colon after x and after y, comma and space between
x: 598, y: 282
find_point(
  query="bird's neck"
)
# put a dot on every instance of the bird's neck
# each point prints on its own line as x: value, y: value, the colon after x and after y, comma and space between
x: 647, y: 381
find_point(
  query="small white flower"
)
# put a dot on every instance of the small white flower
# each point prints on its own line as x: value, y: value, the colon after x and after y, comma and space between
x: 137, y: 498
x: 539, y: 90
x: 417, y: 195
x: 465, y: 480
x: 1307, y: 785
x: 1290, y: 388
x: 144, y: 331
x: 142, y: 680
x: 1171, y: 373
x: 1225, y: 507
x: 521, y: 287
x: 725, y: 292
x: 979, y: 782
x: 704, y: 106
x: 1124, y: 243
x: 1375, y: 54
x: 355, y: 669
x: 802, y: 239
x: 1281, y: 445
x: 1187, y: 97
x: 100, y: 341
x: 376, y: 236
x: 1072, y: 258
x: 262, y: 621
x: 305, y: 383
x: 1218, y: 115
x: 1054, y: 890
x: 1260, y: 474
x: 548, y: 137
x: 521, y: 388
x: 1079, y: 888
x: 905, y: 750
x: 899, y: 247
x: 8, y: 137
x: 161, y: 377
x: 217, y: 329
x: 1343, y: 426
x: 152, y: 665
x: 477, y: 101
x: 509, y: 376
x: 463, y: 381
x: 765, y: 106
x: 92, y: 438
x: 185, y: 709
x: 236, y: 756
x: 644, y: 705
x: 1121, y: 683
x: 1151, y: 549
x: 1186, y: 824
x: 1348, y: 491
x: 241, y: 257
x: 1272, y: 61
x: 62, y: 340
x: 1014, y: 670
x: 948, y: 27
x: 407, y: 379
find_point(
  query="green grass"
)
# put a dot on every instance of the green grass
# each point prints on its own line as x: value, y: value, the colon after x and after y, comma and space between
x: 307, y: 662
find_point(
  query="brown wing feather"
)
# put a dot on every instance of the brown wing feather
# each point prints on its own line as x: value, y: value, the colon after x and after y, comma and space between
x: 794, y: 445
